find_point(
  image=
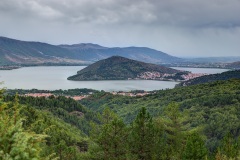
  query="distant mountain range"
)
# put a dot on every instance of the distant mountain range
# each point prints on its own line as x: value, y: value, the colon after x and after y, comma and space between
x: 120, y: 68
x: 94, y: 52
x: 24, y: 53
x: 212, y: 77
x: 36, y: 53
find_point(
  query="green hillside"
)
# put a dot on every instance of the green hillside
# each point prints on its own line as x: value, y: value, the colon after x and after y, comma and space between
x: 211, y: 78
x: 64, y: 108
x: 215, y: 107
x: 35, y: 129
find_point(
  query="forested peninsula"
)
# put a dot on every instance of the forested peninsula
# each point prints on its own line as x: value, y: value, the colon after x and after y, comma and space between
x: 120, y: 68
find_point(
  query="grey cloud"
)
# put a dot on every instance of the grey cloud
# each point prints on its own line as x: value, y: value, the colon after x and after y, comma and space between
x: 186, y: 13
x: 28, y: 9
x: 178, y: 27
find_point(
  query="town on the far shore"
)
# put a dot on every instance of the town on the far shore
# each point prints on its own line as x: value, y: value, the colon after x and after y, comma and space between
x: 164, y: 76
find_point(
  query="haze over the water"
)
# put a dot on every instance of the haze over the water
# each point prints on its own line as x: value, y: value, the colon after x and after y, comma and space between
x: 181, y: 28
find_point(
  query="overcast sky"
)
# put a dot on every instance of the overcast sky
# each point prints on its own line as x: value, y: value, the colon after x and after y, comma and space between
x: 179, y: 27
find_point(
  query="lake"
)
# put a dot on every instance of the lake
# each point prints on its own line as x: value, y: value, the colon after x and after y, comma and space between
x: 55, y: 77
x: 202, y: 70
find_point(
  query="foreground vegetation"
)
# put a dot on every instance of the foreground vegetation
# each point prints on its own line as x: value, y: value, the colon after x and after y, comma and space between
x: 196, y: 122
x: 28, y: 133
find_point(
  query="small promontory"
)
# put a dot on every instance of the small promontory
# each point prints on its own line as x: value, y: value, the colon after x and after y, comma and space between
x: 120, y: 68
x: 232, y: 74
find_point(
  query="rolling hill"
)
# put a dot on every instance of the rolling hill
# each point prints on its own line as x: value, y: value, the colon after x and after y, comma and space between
x: 120, y: 68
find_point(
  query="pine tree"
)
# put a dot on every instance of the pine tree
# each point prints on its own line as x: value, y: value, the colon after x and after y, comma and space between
x: 195, y: 148
x: 142, y: 136
x: 173, y: 122
x: 15, y: 141
x: 161, y: 146
x: 110, y: 138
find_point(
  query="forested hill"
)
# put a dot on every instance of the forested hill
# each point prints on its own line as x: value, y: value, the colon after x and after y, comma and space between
x: 215, y: 94
x: 64, y: 108
x: 213, y: 107
x: 211, y: 78
x: 50, y: 128
x: 119, y: 68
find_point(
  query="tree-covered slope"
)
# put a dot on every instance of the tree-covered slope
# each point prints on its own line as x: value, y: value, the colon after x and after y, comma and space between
x: 210, y: 95
x: 30, y: 132
x: 211, y: 78
x: 118, y: 68
x: 214, y: 107
x: 64, y: 108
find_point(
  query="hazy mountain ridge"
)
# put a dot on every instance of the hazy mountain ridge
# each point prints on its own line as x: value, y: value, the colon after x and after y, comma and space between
x: 18, y: 52
x: 120, y: 68
x: 23, y: 52
x: 82, y: 46
x: 93, y: 52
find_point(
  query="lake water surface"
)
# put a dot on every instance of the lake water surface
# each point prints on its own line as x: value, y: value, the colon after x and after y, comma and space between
x: 55, y: 77
x: 202, y: 70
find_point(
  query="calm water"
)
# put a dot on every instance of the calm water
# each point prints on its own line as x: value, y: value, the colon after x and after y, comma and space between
x: 202, y: 70
x: 52, y: 78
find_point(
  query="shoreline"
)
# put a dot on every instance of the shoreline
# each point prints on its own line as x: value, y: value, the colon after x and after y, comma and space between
x: 9, y: 67
x: 2, y: 67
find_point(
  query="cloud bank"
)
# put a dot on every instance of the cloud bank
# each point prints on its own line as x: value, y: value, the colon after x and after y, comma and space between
x: 178, y: 27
